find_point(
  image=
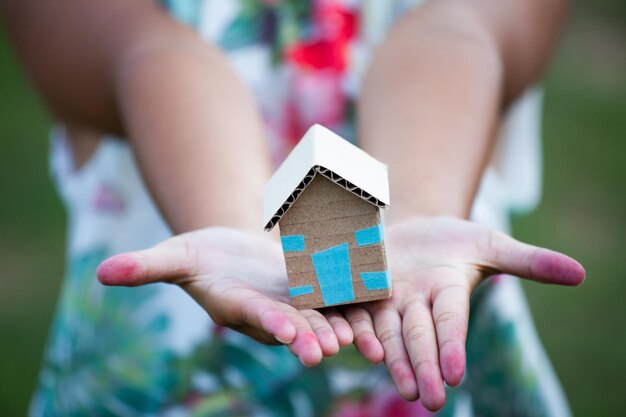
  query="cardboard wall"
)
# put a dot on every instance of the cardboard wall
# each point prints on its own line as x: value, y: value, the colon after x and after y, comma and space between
x: 327, y: 216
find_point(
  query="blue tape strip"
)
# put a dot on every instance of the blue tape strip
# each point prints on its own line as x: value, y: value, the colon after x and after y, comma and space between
x: 297, y: 291
x: 293, y: 243
x: 369, y: 236
x: 332, y: 267
x: 376, y: 280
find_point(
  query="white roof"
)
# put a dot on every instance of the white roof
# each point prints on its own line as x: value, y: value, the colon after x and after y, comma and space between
x: 323, y: 152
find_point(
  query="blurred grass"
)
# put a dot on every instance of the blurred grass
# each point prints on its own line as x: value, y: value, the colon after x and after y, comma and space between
x: 583, y: 213
x: 31, y: 236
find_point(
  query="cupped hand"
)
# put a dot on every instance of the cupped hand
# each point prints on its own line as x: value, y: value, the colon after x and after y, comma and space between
x: 435, y: 264
x: 240, y: 280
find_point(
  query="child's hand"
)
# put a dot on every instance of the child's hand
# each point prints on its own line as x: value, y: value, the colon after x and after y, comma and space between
x: 240, y: 280
x: 435, y: 265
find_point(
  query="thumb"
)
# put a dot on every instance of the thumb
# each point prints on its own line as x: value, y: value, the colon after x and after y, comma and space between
x: 507, y: 255
x: 169, y: 260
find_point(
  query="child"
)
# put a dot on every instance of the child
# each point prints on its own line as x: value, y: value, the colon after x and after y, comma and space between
x: 196, y: 114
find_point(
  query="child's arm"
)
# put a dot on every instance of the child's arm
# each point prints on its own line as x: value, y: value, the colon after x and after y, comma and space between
x: 432, y: 100
x: 430, y: 106
x: 126, y: 67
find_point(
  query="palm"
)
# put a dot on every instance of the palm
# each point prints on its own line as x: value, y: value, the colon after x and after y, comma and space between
x: 434, y: 254
x: 240, y: 280
x: 435, y: 264
x: 227, y: 261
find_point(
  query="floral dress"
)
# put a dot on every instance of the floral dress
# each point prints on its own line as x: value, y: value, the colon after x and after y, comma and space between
x: 151, y: 351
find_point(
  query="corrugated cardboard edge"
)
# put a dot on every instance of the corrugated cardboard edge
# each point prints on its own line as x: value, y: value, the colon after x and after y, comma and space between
x: 323, y: 152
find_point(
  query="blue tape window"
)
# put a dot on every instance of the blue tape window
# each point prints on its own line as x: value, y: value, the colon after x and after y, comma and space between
x: 303, y: 290
x: 292, y: 243
x: 332, y: 267
x: 376, y: 280
x: 369, y: 236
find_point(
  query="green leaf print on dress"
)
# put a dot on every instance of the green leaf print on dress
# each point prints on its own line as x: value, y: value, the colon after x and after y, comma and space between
x: 501, y: 383
x: 229, y: 374
x: 104, y: 352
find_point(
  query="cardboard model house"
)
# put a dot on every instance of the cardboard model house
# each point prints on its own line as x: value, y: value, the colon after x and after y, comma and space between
x: 327, y: 198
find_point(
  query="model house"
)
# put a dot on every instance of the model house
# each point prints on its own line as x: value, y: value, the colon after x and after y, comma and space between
x: 327, y: 198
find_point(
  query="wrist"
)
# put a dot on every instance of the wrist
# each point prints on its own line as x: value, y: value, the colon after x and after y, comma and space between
x: 413, y: 203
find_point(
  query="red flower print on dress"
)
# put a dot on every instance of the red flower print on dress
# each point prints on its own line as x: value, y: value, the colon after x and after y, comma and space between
x: 108, y: 200
x: 386, y: 403
x: 334, y: 27
x: 318, y: 65
x: 315, y: 98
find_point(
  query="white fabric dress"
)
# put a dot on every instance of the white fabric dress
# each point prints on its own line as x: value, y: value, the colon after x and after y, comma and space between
x: 151, y: 351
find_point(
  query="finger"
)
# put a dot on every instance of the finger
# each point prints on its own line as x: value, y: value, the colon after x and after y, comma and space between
x: 365, y: 338
x: 421, y: 344
x: 324, y: 332
x: 388, y: 325
x: 503, y: 253
x: 340, y: 326
x: 305, y: 345
x: 257, y: 311
x: 263, y: 313
x: 246, y: 310
x: 451, y: 315
x: 170, y: 259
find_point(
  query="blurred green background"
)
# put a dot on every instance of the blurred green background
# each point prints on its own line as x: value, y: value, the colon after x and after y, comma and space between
x: 583, y: 213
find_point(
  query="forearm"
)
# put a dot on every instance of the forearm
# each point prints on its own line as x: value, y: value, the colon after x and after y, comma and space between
x: 196, y: 134
x: 127, y: 68
x: 432, y: 100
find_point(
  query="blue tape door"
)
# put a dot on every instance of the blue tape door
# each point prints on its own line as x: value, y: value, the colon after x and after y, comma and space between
x: 332, y: 267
